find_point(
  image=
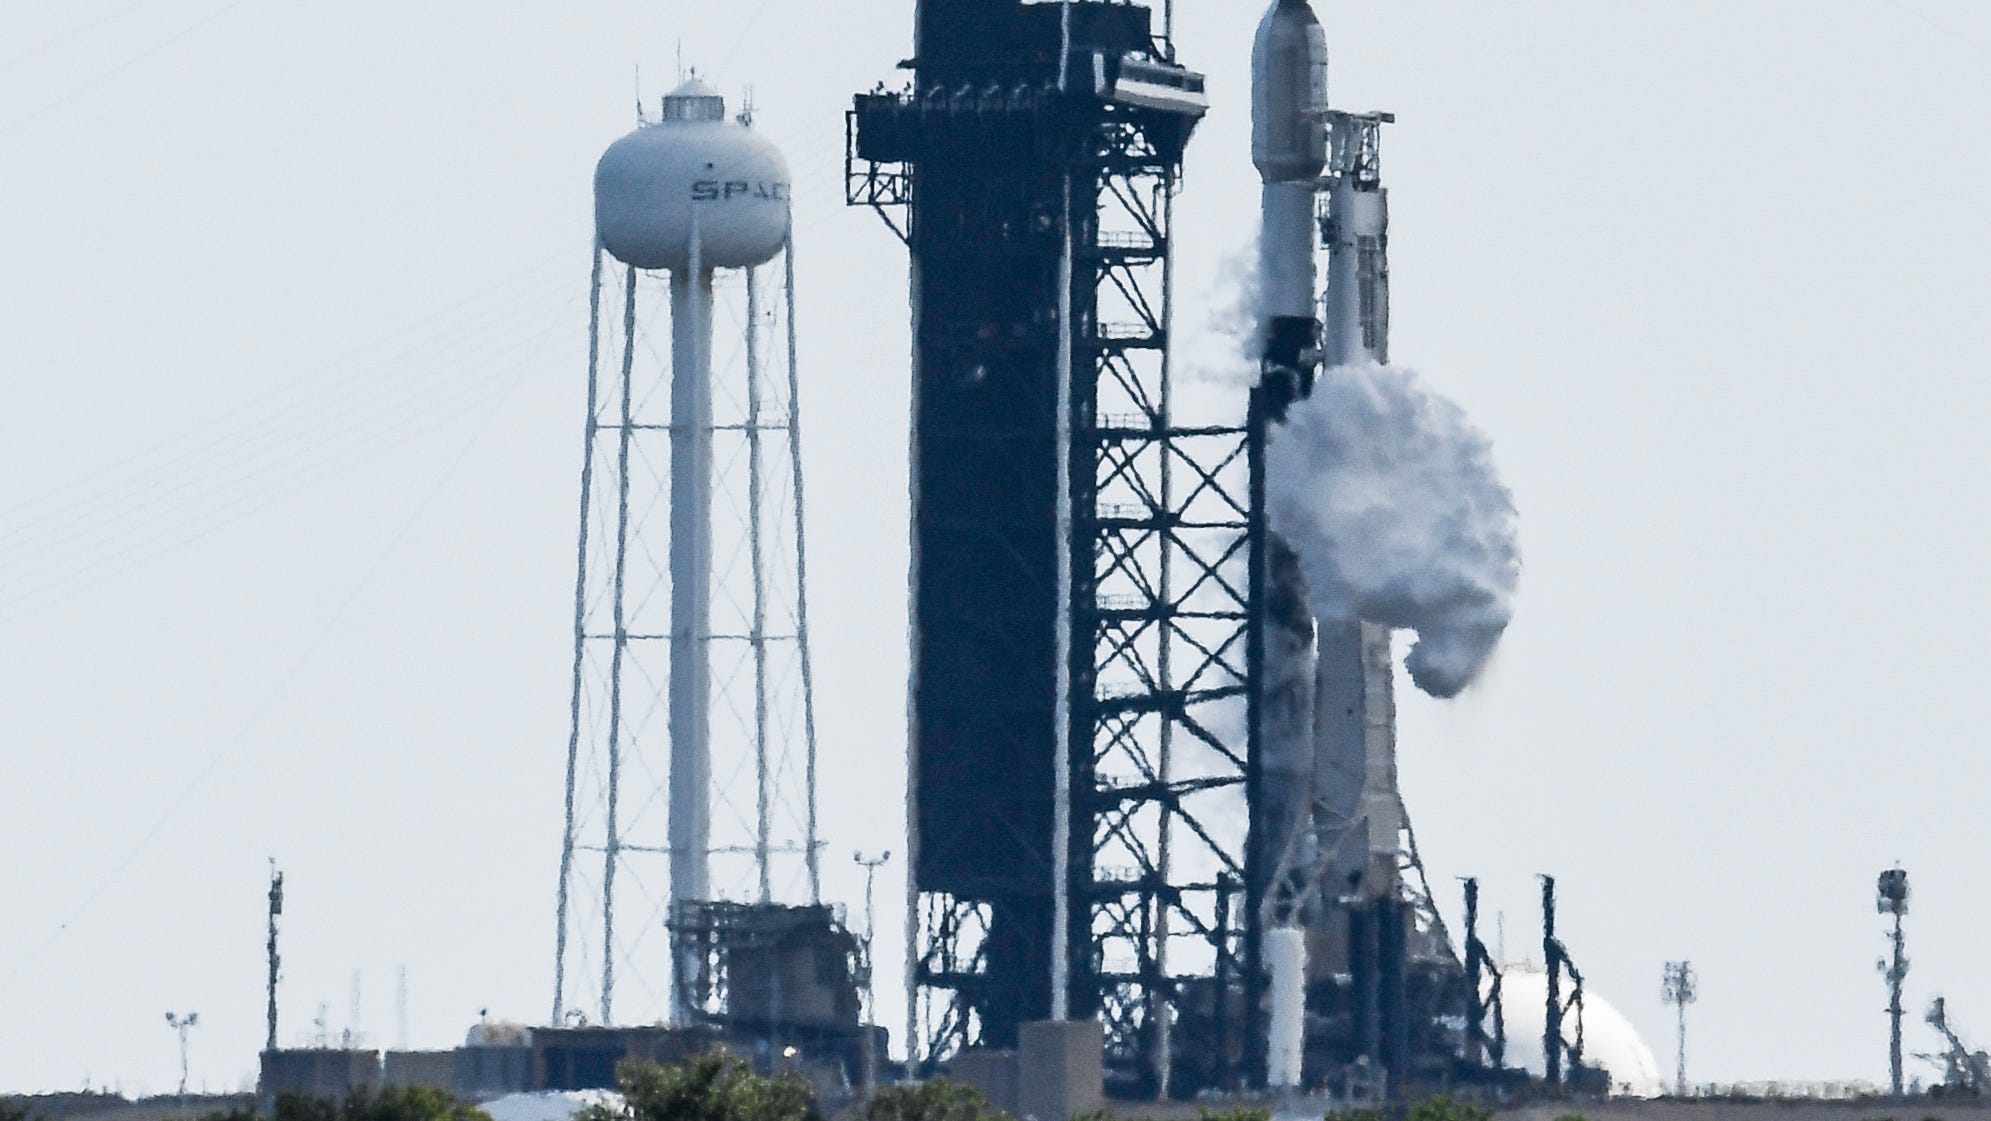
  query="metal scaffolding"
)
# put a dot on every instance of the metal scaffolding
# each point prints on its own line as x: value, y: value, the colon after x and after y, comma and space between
x: 1082, y: 701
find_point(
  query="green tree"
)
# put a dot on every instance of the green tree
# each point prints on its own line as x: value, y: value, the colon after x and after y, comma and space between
x: 1442, y: 1108
x: 934, y: 1100
x: 712, y: 1087
x: 396, y: 1103
x: 411, y: 1103
x: 13, y: 1110
x: 306, y: 1107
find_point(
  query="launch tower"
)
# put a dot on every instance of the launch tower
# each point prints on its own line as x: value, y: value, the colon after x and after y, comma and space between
x: 1081, y: 606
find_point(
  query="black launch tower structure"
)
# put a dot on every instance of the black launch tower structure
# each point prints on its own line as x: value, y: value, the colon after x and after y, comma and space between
x: 1083, y: 558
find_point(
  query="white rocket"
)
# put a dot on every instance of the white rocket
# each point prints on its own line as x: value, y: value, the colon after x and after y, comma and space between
x: 1289, y: 147
x: 1330, y: 813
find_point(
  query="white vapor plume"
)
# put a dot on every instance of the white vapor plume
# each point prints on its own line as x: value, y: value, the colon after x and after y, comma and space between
x: 1389, y: 496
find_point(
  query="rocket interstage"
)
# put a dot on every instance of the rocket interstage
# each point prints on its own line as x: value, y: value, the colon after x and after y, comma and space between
x: 1289, y: 146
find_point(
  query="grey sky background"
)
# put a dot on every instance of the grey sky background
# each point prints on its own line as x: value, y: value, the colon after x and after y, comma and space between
x: 292, y: 355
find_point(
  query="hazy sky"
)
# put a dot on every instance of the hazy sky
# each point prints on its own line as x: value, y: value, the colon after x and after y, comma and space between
x: 292, y: 355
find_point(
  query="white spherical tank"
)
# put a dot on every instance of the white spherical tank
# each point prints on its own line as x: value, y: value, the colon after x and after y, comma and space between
x: 692, y: 171
x: 1609, y: 1039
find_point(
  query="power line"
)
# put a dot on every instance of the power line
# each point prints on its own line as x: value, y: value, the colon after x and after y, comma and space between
x: 204, y: 484
x: 235, y: 743
x: 233, y: 452
x: 228, y: 425
x: 175, y: 527
x: 1941, y: 28
x: 198, y: 25
x: 65, y: 36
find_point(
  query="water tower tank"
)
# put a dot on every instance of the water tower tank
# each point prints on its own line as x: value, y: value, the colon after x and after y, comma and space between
x: 692, y: 169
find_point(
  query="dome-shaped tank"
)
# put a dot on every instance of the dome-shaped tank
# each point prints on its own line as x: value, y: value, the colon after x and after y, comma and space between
x: 694, y: 166
x: 1609, y: 1039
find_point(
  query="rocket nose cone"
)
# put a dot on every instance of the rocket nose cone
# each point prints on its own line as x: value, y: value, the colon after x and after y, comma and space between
x: 1289, y: 94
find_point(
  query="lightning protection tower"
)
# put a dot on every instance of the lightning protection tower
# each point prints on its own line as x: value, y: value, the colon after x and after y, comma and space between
x: 1680, y: 988
x: 691, y: 759
x: 1891, y: 898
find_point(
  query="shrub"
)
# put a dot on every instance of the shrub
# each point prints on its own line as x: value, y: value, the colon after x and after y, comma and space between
x: 1442, y: 1108
x: 934, y: 1100
x: 712, y: 1087
x: 396, y: 1103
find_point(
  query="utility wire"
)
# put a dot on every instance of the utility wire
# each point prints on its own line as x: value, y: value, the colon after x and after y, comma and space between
x: 340, y: 378
x: 243, y: 448
x: 1967, y: 40
x: 169, y: 506
x: 100, y: 560
x: 236, y: 742
x: 238, y: 445
x: 65, y: 36
x: 19, y: 123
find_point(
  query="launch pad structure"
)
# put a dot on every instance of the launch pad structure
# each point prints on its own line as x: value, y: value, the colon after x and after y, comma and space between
x: 1151, y: 785
x: 1133, y: 753
x: 1071, y: 763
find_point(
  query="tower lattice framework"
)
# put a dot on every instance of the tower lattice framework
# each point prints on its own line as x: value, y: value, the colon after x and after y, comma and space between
x: 1082, y: 726
x: 613, y: 956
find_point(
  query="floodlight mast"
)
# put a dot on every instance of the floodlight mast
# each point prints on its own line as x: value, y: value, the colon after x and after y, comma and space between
x: 275, y: 962
x: 182, y: 1025
x: 1892, y: 899
x: 1681, y: 988
x: 870, y: 864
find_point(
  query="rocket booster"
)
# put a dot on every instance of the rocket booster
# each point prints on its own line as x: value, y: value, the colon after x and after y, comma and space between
x: 1289, y: 147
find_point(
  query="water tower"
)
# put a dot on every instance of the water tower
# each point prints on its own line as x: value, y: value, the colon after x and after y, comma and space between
x: 691, y: 760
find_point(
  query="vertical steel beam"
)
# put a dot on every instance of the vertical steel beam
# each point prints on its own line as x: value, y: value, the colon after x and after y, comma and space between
x: 567, y: 837
x: 763, y: 779
x: 612, y: 842
x: 812, y: 859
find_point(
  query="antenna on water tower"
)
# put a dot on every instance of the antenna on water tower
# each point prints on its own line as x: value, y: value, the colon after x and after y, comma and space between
x: 690, y: 619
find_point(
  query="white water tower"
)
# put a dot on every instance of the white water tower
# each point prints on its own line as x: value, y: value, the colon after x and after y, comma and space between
x: 692, y: 202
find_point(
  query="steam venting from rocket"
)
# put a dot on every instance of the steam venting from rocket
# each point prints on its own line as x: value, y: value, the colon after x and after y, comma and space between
x: 1390, y: 497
